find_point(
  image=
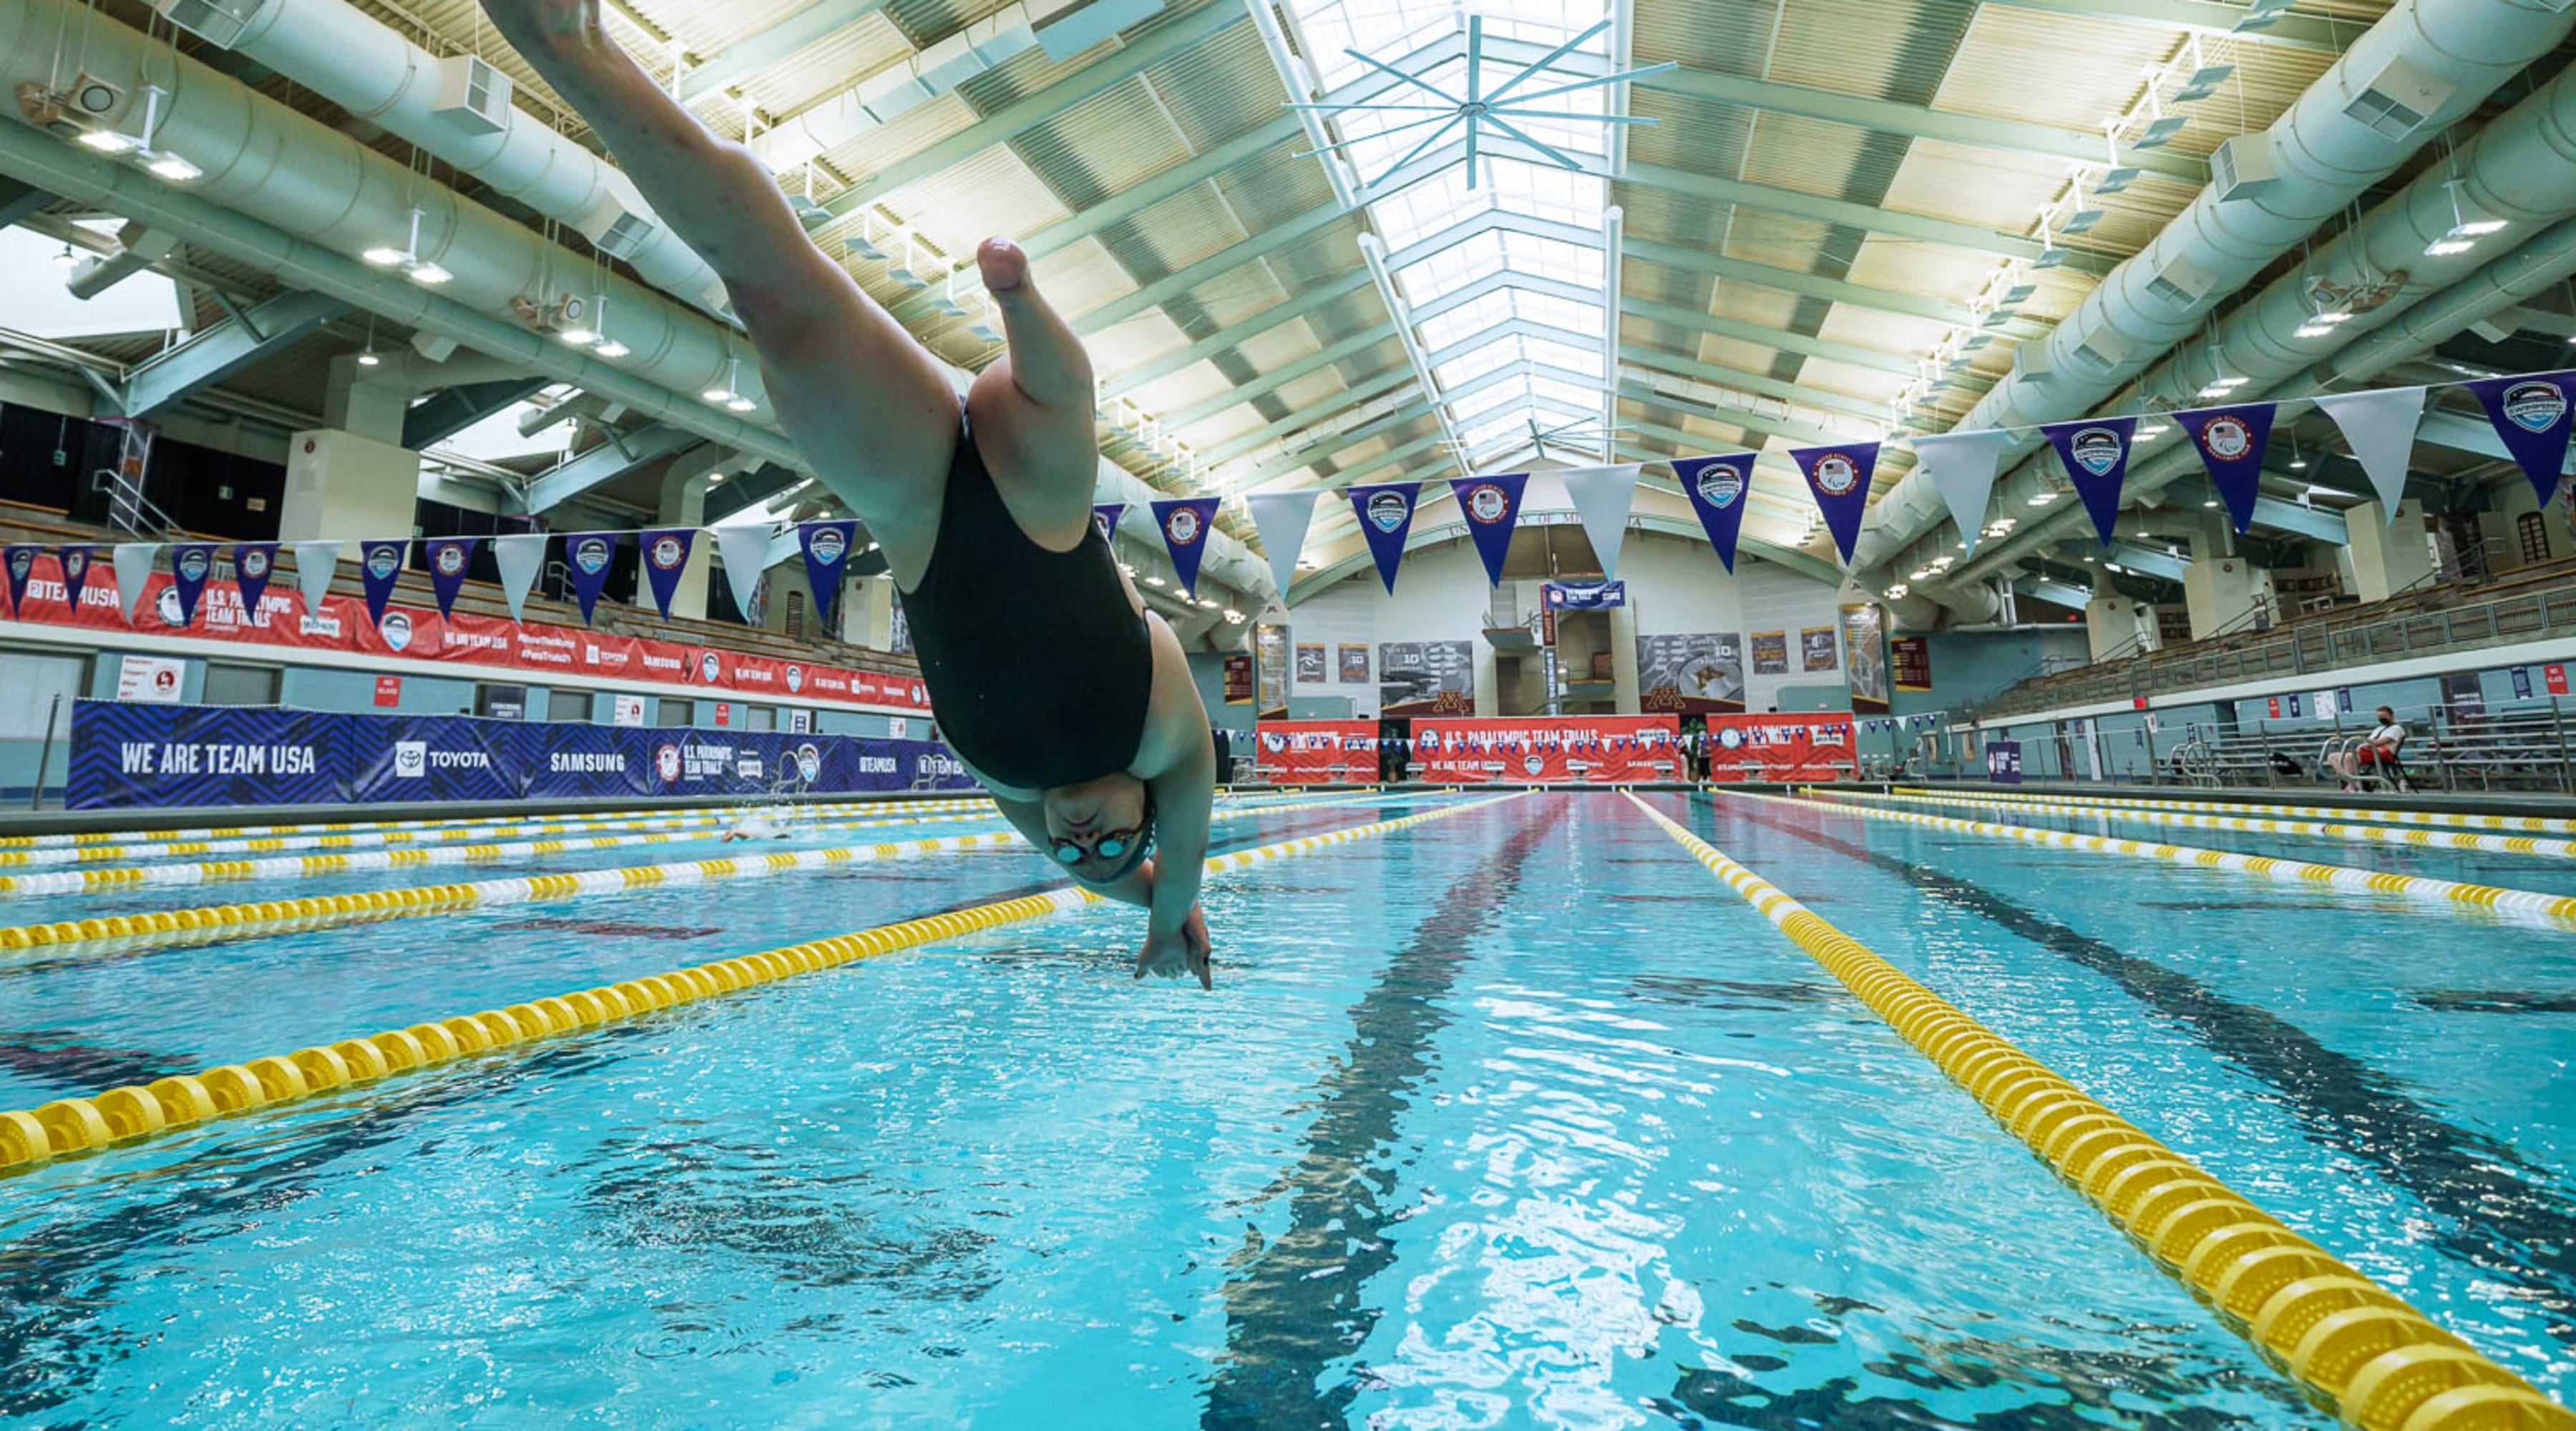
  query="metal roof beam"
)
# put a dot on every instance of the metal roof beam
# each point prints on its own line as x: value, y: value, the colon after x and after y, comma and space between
x: 756, y: 52
x: 1234, y: 335
x: 227, y: 348
x: 1347, y: 398
x: 621, y: 454
x: 2315, y: 523
x: 1754, y: 333
x: 1923, y: 228
x: 2210, y: 17
x: 2149, y: 560
x: 1519, y: 328
x: 436, y: 419
x: 1504, y: 281
x: 1805, y: 285
x: 1732, y: 416
x: 18, y: 201
x: 1419, y: 407
x: 1754, y: 383
x: 1325, y: 357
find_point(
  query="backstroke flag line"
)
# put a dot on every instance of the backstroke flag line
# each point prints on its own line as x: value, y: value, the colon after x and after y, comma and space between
x: 1963, y: 467
x: 2530, y: 416
x: 1281, y: 519
x: 1492, y: 505
x: 316, y: 563
x: 1839, y: 478
x: 2096, y: 454
x: 1603, y: 497
x: 520, y: 555
x: 1386, y: 516
x: 2230, y: 442
x: 1719, y: 489
x: 133, y: 567
x: 2380, y: 427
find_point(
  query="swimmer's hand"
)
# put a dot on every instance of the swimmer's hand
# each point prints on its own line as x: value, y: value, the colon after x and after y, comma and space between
x: 1184, y: 951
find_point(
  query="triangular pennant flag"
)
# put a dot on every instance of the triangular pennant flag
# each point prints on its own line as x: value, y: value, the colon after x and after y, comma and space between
x: 1962, y: 466
x: 253, y: 564
x: 1386, y: 516
x: 133, y: 569
x: 190, y: 564
x: 2230, y: 442
x: 1281, y: 518
x: 1602, y: 498
x: 520, y: 556
x: 588, y: 556
x: 448, y: 559
x: 1719, y: 489
x: 666, y: 555
x: 2529, y: 414
x: 826, y: 546
x: 744, y: 547
x: 1839, y: 478
x: 2380, y: 427
x: 1185, y: 522
x: 380, y: 565
x: 1107, y: 515
x: 2096, y: 454
x: 1492, y: 505
x: 21, y: 564
x: 316, y: 563
x: 75, y: 562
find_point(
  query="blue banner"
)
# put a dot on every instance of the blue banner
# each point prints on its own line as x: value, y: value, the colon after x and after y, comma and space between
x: 1386, y: 516
x: 1591, y: 596
x: 380, y: 565
x: 75, y: 561
x: 1185, y: 522
x: 448, y: 559
x: 1107, y: 515
x: 191, y: 564
x: 253, y: 564
x: 20, y: 562
x: 2003, y: 762
x: 1719, y: 489
x: 2530, y: 416
x: 1492, y: 505
x: 2230, y: 443
x: 155, y: 756
x: 666, y: 555
x: 589, y: 556
x: 826, y: 546
x: 1839, y: 476
x: 2096, y: 454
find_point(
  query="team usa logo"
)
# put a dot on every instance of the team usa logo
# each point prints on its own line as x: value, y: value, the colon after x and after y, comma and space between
x: 451, y: 561
x: 1721, y: 486
x: 396, y: 629
x: 1488, y: 503
x: 2226, y: 438
x: 2534, y: 406
x: 1183, y: 527
x: 2096, y: 450
x: 795, y: 678
x: 1836, y: 475
x: 668, y: 554
x: 191, y: 565
x: 1389, y: 511
x: 828, y: 546
x: 666, y: 763
x: 383, y: 561
x: 253, y: 563
x: 591, y: 555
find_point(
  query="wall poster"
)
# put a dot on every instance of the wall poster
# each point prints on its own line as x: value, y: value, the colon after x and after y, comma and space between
x: 1426, y: 678
x: 1238, y: 680
x: 1310, y: 666
x: 1911, y: 659
x: 1770, y: 653
x: 1817, y: 649
x: 1700, y: 674
x: 1865, y: 637
x: 1354, y: 665
x: 1270, y: 671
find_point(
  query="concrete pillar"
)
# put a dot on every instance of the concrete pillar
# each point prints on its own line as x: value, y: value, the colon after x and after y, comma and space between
x: 2387, y: 557
x: 2219, y: 591
x: 1626, y: 698
x: 343, y: 484
x: 867, y: 613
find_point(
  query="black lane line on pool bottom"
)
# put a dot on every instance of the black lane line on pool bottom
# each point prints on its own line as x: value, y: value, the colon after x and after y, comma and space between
x: 2498, y: 1214
x: 1294, y: 1305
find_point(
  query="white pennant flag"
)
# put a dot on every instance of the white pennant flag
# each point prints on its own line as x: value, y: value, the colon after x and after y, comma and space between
x: 1603, y: 497
x: 133, y: 569
x: 2380, y: 426
x: 1963, y: 466
x: 315, y: 564
x: 520, y: 555
x: 1282, y: 518
x: 744, y: 546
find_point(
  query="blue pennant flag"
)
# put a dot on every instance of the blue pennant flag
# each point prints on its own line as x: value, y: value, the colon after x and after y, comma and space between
x: 666, y: 555
x: 448, y: 559
x: 253, y: 564
x: 21, y: 563
x: 589, y: 555
x: 380, y: 565
x: 826, y: 546
x: 1839, y: 476
x: 1386, y: 516
x: 2230, y: 442
x: 1185, y: 522
x: 2529, y: 415
x: 1492, y: 505
x: 191, y: 563
x: 1107, y: 516
x: 75, y: 562
x: 1719, y: 489
x: 2096, y: 454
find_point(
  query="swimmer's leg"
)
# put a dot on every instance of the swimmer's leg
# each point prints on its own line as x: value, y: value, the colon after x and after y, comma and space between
x: 1033, y: 408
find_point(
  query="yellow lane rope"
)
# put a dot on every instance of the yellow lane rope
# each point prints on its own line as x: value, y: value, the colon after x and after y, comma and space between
x: 2357, y: 1348
x: 2349, y: 834
x: 2555, y: 907
x: 162, y: 927
x: 59, y: 847
x: 2432, y: 819
x: 74, y: 1125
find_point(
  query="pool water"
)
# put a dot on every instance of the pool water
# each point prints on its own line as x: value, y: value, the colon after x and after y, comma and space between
x: 1515, y: 1118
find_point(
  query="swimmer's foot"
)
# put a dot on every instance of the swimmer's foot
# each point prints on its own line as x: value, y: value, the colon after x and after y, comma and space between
x: 1005, y: 267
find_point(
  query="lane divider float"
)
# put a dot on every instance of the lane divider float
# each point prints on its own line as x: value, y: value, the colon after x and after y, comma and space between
x: 2434, y: 819
x: 2348, y: 834
x: 2356, y: 1348
x: 78, y: 1125
x: 2558, y: 909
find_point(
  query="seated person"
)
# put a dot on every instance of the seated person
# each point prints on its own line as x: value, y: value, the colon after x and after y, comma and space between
x: 2377, y: 755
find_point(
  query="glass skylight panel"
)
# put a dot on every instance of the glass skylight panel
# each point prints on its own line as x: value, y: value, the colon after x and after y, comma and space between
x: 1474, y: 364
x: 1447, y: 328
x: 1451, y: 268
x: 1549, y: 258
x: 1585, y: 362
x: 1582, y: 399
x: 1475, y: 405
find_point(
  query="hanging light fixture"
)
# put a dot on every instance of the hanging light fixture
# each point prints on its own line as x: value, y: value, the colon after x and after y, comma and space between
x: 407, y: 258
x: 730, y: 395
x: 2464, y: 232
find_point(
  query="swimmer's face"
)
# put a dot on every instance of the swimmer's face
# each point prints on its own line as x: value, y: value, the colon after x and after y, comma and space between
x: 1093, y: 818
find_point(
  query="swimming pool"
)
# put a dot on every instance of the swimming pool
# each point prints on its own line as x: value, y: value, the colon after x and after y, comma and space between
x: 1513, y: 1118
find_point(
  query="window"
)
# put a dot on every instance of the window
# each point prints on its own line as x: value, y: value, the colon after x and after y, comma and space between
x: 501, y: 702
x: 2532, y: 529
x: 678, y: 712
x: 760, y: 717
x: 28, y: 696
x: 795, y: 615
x: 239, y: 685
x: 567, y: 705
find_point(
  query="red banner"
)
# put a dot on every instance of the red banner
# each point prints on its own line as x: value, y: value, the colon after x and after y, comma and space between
x: 1545, y: 750
x: 413, y: 634
x: 1316, y: 752
x: 1780, y: 747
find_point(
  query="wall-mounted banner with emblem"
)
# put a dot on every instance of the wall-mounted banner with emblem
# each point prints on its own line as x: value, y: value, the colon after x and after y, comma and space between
x: 1315, y: 752
x: 1492, y: 506
x: 1781, y: 747
x: 1839, y: 478
x: 1544, y: 750
x: 2096, y: 456
x: 2530, y: 417
x: 2230, y: 443
x: 1770, y: 653
x: 1719, y: 489
x: 1185, y: 524
x: 1583, y: 596
x: 1386, y: 518
x: 666, y: 555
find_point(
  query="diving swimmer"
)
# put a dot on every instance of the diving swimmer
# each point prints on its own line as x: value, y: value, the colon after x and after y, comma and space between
x: 1065, y: 696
